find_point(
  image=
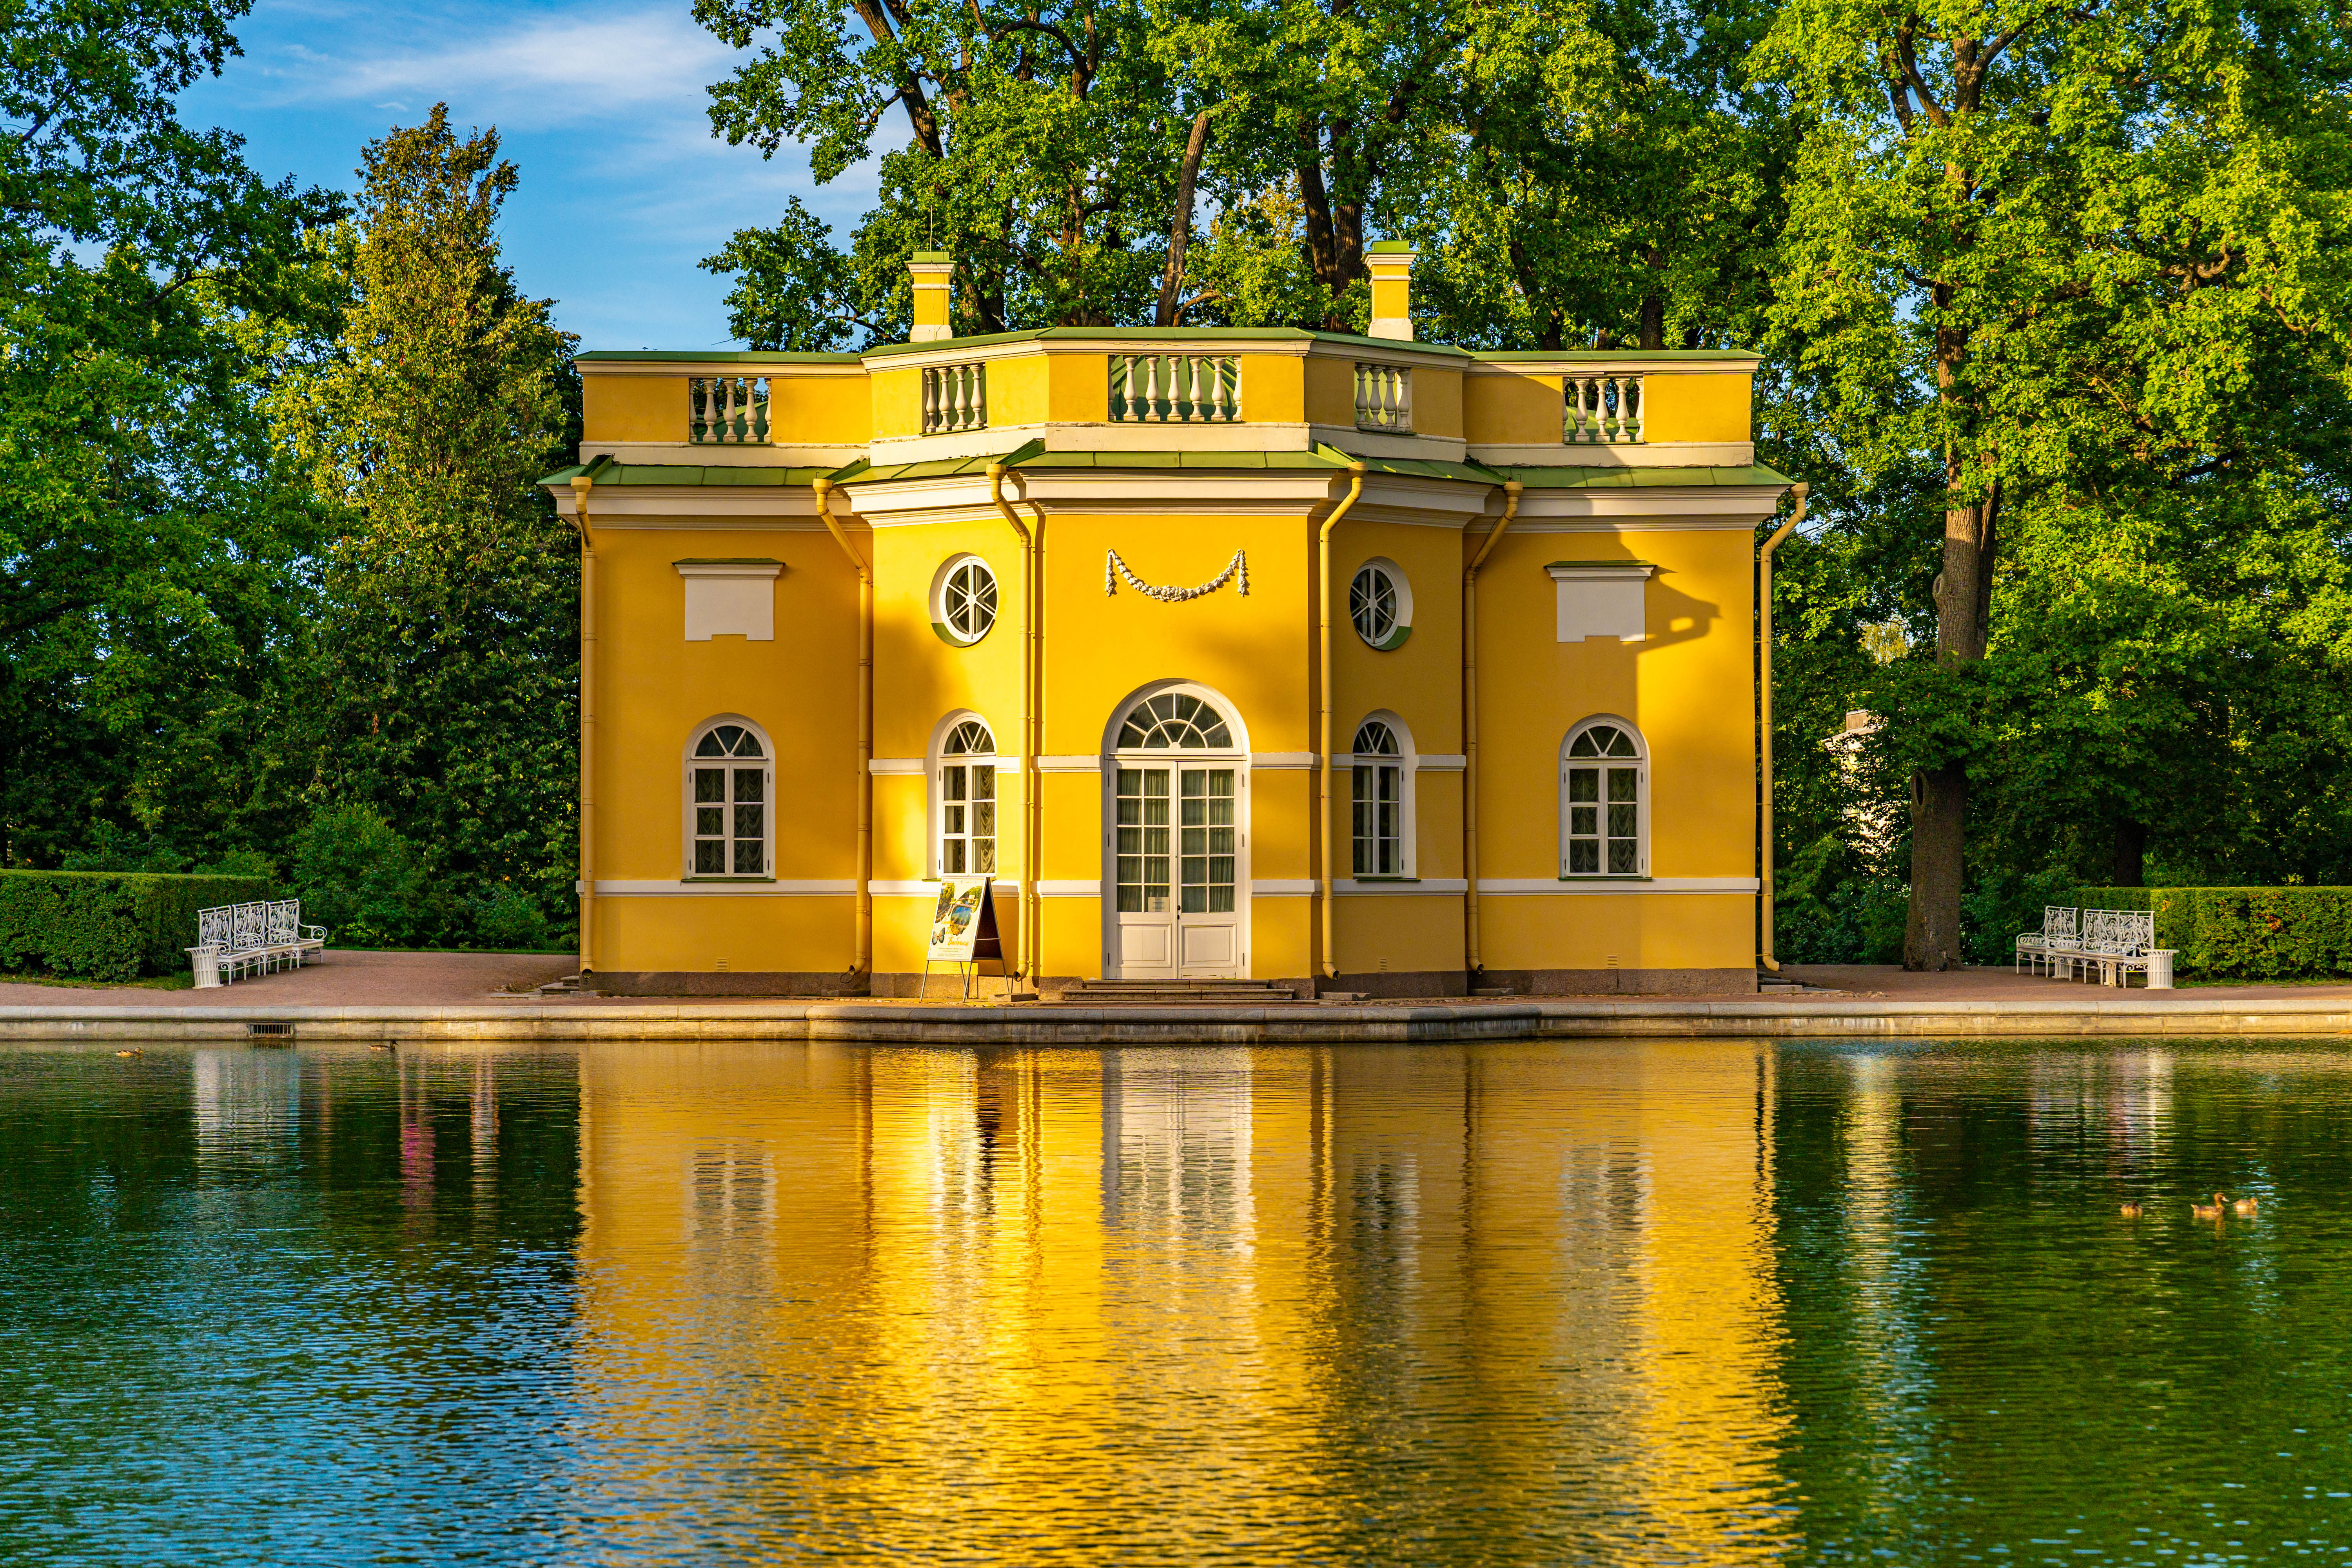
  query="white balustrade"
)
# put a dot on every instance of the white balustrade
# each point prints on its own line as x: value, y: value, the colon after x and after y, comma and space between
x: 727, y: 410
x: 1175, y: 389
x: 1600, y: 408
x: 955, y: 397
x: 1384, y: 396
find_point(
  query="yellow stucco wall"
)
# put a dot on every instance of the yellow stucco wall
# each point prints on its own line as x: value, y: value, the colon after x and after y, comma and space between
x: 1503, y: 408
x: 820, y: 410
x: 1684, y: 406
x: 897, y: 401
x: 1273, y: 388
x: 1330, y: 389
x: 633, y: 407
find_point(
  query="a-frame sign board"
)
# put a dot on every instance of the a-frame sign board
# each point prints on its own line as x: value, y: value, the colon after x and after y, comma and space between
x: 964, y: 929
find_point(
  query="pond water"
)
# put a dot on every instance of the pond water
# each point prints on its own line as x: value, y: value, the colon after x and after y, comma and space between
x: 1703, y: 1302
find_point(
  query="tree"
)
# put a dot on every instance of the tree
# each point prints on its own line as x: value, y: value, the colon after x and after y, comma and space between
x: 151, y: 534
x: 447, y: 676
x: 2078, y: 267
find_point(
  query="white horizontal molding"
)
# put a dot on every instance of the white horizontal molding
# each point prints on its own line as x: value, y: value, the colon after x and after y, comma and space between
x: 881, y: 766
x: 1620, y: 363
x: 1069, y: 764
x: 1141, y: 492
x: 724, y: 454
x: 780, y: 888
x: 1358, y: 443
x: 1067, y: 888
x: 1630, y: 888
x: 699, y: 506
x: 1282, y: 887
x: 1177, y: 435
x: 1282, y: 761
x: 1616, y: 454
x: 703, y: 367
x: 1454, y: 886
x: 1442, y: 763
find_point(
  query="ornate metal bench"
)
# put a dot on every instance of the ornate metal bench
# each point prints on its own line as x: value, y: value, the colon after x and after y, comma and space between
x: 252, y: 939
x: 2115, y: 942
x: 2039, y: 949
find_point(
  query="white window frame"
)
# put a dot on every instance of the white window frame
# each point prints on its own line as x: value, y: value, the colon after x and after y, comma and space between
x: 936, y: 852
x: 1407, y: 762
x: 939, y: 603
x: 1640, y: 763
x: 688, y: 764
x: 1403, y: 587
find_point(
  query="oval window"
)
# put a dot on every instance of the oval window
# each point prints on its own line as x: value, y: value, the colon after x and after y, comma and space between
x: 1380, y: 604
x: 964, y: 604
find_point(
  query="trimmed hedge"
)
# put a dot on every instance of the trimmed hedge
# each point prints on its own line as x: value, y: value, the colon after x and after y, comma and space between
x: 109, y: 925
x: 2245, y: 934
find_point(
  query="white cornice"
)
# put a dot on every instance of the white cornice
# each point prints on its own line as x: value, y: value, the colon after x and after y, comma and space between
x: 1618, y: 455
x: 777, y: 369
x: 1570, y: 364
x: 717, y: 455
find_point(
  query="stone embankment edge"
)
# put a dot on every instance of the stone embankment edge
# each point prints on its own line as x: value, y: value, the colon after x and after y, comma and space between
x: 865, y: 1022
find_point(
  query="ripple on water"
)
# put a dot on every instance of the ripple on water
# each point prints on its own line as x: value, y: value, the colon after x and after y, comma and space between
x: 1653, y: 1302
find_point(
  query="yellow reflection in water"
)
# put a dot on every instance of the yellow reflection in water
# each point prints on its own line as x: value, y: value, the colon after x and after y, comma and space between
x: 1365, y: 1304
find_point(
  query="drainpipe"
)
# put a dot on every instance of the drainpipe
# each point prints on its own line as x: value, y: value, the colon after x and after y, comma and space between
x: 1471, y: 952
x: 581, y: 485
x: 863, y: 961
x: 1323, y: 648
x: 1764, y: 815
x: 1031, y: 820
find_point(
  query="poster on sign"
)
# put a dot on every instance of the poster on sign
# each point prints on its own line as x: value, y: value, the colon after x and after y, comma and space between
x: 963, y: 924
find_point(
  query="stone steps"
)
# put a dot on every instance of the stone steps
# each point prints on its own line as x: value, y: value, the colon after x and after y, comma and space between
x: 1176, y: 992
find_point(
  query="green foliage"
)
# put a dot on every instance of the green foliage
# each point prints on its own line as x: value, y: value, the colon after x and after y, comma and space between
x: 360, y: 879
x: 443, y: 686
x: 109, y: 925
x: 2245, y: 934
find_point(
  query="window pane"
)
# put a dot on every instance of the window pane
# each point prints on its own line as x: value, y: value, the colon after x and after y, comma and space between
x: 710, y: 746
x: 951, y: 858
x: 710, y: 821
x: 747, y: 858
x: 952, y: 784
x: 1621, y: 744
x: 1624, y: 821
x: 1584, y: 784
x: 711, y: 857
x: 984, y: 855
x: 709, y: 783
x: 1584, y: 821
x: 951, y: 820
x: 750, y: 783
x: 1582, y: 746
x: 983, y: 783
x: 1624, y: 784
x: 1621, y: 861
x: 983, y: 819
x: 749, y: 822
x: 1583, y: 856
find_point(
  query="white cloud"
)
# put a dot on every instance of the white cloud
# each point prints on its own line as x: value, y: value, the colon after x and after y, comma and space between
x: 533, y: 69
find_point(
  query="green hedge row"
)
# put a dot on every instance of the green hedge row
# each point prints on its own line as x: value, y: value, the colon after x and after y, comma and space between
x: 2245, y: 934
x: 109, y: 925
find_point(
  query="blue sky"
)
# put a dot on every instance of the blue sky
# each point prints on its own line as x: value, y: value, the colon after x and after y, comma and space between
x: 600, y: 105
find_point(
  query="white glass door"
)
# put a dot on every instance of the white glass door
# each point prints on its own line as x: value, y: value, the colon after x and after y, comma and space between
x: 1176, y: 858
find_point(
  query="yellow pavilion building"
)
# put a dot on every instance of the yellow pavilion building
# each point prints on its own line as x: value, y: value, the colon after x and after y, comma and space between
x: 1351, y: 663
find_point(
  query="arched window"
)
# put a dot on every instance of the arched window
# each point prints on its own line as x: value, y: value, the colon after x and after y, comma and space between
x: 1604, y: 785
x: 1174, y: 721
x: 967, y: 801
x: 1382, y: 814
x: 730, y: 797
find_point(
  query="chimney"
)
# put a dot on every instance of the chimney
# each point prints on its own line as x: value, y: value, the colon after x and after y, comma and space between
x: 931, y: 271
x: 1390, y: 261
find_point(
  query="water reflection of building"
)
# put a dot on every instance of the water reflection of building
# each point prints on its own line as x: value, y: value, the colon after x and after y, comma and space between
x: 1301, y: 1295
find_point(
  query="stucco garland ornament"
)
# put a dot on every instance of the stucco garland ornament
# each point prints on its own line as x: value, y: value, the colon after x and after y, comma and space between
x: 1114, y: 569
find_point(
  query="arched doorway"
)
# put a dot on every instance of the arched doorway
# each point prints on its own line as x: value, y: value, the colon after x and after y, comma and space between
x: 1176, y: 857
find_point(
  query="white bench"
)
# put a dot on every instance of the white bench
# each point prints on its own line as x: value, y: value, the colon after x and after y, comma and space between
x: 2038, y: 948
x: 2115, y: 942
x: 251, y: 939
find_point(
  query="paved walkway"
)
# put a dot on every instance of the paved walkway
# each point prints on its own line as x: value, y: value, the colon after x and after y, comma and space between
x: 351, y: 979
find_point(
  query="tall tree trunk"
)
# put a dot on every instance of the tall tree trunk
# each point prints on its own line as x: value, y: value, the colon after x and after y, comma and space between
x: 1931, y: 932
x: 1654, y: 304
x: 2131, y: 853
x: 1180, y: 226
x: 1335, y: 230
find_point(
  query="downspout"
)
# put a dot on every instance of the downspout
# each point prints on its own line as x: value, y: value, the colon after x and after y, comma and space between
x: 1764, y: 814
x: 581, y: 485
x: 1323, y: 648
x: 1472, y: 950
x: 1030, y: 818
x: 861, y: 963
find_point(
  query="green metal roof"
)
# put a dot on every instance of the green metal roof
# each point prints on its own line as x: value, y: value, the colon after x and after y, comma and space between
x: 1168, y: 334
x: 1519, y: 356
x: 1031, y: 458
x: 606, y: 472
